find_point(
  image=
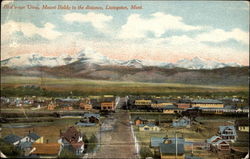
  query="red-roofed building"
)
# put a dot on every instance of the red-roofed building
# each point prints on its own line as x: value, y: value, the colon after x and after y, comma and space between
x: 71, y: 140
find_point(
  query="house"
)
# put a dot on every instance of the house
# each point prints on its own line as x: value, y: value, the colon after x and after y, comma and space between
x: 228, y: 133
x: 51, y: 106
x: 181, y: 122
x: 169, y: 151
x: 220, y: 145
x: 207, y: 103
x: 139, y: 121
x: 92, y: 117
x: 25, y: 147
x: 45, y: 150
x: 242, y: 125
x: 72, y: 140
x: 12, y: 139
x: 170, y: 109
x: 32, y: 137
x: 85, y: 106
x: 108, y: 104
x: 213, y: 139
x: 148, y: 127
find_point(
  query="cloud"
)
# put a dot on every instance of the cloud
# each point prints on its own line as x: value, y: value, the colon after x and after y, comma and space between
x: 97, y: 20
x: 29, y: 30
x: 158, y: 24
x: 219, y: 35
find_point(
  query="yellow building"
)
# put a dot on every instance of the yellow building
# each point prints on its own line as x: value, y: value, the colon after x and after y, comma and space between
x: 142, y: 102
x: 148, y: 127
x: 108, y: 105
x: 207, y: 103
x: 242, y: 125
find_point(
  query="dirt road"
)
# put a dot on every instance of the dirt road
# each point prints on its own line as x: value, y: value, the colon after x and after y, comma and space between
x: 119, y: 142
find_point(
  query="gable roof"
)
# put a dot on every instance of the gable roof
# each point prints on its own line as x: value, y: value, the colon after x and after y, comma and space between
x: 210, y: 140
x: 71, y: 134
x: 170, y: 149
x: 221, y: 141
x: 12, y: 138
x: 46, y: 149
x: 223, y: 128
x: 33, y: 136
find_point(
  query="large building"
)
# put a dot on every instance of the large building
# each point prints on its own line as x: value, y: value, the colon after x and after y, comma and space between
x: 160, y: 104
x: 143, y: 102
x: 207, y: 103
x: 108, y: 104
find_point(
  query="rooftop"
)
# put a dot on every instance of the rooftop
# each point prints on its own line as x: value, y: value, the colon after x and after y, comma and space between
x: 210, y: 101
x: 12, y: 138
x: 46, y: 149
x: 33, y: 136
x: 170, y: 149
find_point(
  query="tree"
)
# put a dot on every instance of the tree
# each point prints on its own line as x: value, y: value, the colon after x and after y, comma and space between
x: 146, y: 152
x: 92, y: 142
x: 67, y: 154
x: 9, y: 149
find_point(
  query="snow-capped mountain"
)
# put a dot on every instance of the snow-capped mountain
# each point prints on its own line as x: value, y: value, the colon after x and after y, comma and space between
x: 90, y: 56
x: 198, y: 63
x: 133, y: 63
x: 29, y: 60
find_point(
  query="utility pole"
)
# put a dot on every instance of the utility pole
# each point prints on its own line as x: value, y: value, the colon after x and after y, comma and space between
x: 176, y: 146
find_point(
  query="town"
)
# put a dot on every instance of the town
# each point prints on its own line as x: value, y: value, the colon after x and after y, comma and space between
x: 134, y: 126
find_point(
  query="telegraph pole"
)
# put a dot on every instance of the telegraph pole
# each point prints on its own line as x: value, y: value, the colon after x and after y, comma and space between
x: 176, y: 146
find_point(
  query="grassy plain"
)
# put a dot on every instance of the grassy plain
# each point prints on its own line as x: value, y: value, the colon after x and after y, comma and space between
x: 86, y: 87
x: 49, y: 130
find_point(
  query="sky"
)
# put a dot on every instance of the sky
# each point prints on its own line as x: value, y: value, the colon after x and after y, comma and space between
x: 164, y: 31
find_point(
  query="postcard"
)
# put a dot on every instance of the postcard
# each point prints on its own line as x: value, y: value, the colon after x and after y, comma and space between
x: 124, y: 79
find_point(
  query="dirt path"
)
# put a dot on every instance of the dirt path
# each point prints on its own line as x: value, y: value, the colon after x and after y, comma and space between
x: 118, y: 143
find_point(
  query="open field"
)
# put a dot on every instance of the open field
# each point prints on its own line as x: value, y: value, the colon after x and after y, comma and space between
x: 49, y: 130
x: 86, y: 87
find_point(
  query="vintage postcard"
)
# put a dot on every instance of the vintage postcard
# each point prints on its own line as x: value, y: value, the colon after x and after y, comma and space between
x: 124, y: 79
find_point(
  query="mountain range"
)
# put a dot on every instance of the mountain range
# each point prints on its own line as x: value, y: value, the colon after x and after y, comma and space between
x: 92, y: 57
x: 88, y: 64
